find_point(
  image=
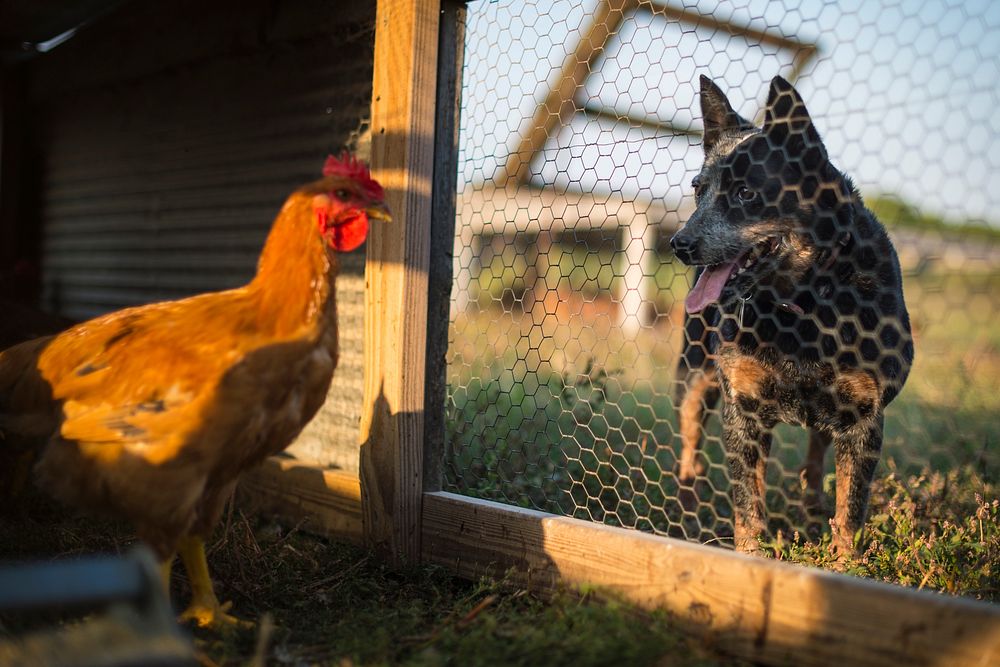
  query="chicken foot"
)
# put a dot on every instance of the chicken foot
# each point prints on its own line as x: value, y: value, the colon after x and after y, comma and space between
x: 205, y: 609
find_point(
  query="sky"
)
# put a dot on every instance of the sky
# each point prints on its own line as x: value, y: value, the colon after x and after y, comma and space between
x: 905, y: 93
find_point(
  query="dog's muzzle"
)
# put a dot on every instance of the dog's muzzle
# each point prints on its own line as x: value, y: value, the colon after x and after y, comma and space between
x: 685, y: 249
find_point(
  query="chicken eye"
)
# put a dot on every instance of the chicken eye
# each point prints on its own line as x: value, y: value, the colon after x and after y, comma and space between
x: 745, y: 195
x: 342, y: 194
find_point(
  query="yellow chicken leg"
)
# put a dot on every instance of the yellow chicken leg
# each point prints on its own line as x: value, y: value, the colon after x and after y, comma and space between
x: 205, y: 609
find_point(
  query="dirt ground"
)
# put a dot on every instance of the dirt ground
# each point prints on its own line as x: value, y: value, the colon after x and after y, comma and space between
x: 318, y: 602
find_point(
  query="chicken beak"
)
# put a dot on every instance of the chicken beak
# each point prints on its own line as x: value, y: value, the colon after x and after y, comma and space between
x: 379, y: 211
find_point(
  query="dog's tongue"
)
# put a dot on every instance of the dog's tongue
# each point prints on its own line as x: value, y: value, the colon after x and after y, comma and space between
x: 709, y: 286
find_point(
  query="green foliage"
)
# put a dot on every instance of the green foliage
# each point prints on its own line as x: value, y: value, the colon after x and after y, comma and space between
x: 576, y: 444
x: 895, y: 212
x: 936, y: 530
x: 603, y: 445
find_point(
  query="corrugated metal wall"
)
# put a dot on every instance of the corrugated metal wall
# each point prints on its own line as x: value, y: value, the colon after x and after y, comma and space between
x: 169, y: 136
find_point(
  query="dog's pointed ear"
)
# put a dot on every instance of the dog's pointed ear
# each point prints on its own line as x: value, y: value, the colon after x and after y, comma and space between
x: 717, y: 113
x: 787, y: 121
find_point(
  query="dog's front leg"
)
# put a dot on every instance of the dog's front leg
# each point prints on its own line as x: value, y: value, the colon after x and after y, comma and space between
x: 857, y: 452
x: 811, y: 472
x: 748, y: 443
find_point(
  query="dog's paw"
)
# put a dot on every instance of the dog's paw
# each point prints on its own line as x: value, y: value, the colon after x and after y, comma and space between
x: 843, y: 545
x: 751, y: 546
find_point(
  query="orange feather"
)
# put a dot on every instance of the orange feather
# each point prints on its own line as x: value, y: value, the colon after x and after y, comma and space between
x: 151, y: 413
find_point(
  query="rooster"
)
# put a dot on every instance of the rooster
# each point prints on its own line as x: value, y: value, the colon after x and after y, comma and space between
x: 152, y: 413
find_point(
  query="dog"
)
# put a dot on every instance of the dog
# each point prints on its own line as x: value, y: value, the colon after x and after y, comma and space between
x: 797, y: 314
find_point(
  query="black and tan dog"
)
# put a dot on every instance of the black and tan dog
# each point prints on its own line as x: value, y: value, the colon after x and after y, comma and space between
x: 797, y: 310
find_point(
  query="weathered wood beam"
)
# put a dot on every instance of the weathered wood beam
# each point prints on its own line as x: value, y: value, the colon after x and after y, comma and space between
x: 764, y: 610
x: 392, y: 423
x: 329, y: 501
x: 709, y: 22
x: 560, y: 103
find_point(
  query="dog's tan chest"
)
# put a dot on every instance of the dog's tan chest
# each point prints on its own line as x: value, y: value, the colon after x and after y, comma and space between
x: 805, y: 394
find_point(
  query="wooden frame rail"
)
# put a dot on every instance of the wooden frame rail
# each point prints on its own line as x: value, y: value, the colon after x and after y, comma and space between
x: 764, y: 610
x: 328, y: 502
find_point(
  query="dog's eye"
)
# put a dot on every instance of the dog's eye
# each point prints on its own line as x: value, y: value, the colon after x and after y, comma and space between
x: 745, y: 194
x: 696, y: 184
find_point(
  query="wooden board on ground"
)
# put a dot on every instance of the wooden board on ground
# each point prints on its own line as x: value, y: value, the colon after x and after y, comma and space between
x: 760, y: 609
x: 328, y: 501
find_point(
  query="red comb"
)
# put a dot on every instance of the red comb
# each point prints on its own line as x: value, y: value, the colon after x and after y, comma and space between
x: 351, y: 167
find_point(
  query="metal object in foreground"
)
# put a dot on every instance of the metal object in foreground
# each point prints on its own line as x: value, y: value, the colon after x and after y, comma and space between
x: 122, y: 614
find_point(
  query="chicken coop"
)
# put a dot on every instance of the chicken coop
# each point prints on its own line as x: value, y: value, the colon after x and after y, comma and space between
x: 510, y: 394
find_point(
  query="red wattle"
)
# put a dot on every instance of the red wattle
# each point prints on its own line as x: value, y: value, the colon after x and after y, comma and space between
x: 350, y: 234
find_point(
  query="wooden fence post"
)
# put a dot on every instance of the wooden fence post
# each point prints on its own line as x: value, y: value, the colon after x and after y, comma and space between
x: 396, y: 276
x: 451, y: 56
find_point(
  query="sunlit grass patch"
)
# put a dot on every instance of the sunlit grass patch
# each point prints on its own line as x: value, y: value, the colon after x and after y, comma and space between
x: 572, y: 416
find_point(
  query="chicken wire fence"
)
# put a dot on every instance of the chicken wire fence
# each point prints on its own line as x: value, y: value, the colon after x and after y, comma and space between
x: 577, y: 384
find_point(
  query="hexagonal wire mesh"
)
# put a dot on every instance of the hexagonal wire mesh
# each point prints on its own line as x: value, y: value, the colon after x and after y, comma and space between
x: 577, y: 382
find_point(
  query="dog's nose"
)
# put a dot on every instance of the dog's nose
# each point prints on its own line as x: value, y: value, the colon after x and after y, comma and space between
x: 683, y: 247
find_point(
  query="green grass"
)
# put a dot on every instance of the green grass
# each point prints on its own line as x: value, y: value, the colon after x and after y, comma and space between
x: 573, y: 419
x: 334, y: 604
x: 935, y: 530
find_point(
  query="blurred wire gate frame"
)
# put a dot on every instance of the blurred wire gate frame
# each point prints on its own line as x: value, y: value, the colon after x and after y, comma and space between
x: 525, y: 319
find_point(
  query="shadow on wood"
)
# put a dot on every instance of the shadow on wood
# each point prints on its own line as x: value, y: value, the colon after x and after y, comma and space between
x: 760, y: 609
x: 385, y: 484
x: 326, y: 500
